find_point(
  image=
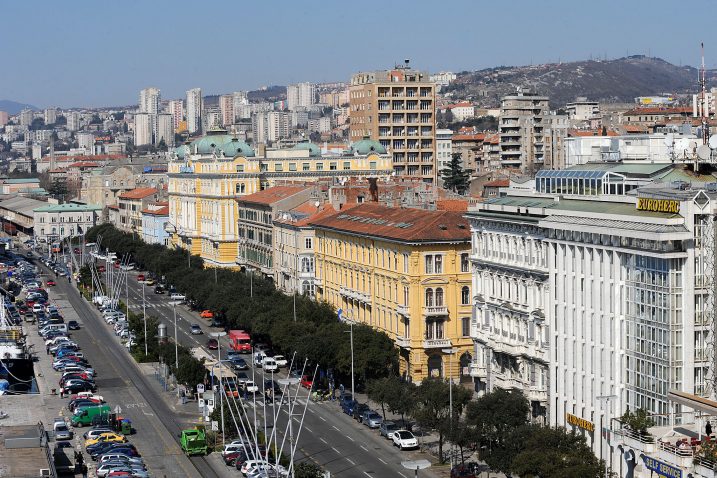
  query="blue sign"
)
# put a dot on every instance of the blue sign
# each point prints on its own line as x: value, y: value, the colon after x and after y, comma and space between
x: 662, y: 469
x: 340, y: 314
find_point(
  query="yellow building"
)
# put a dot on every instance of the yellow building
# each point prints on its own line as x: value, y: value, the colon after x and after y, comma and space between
x: 207, y: 176
x: 405, y: 272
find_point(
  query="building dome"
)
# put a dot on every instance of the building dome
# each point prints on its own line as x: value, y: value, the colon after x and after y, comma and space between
x: 234, y: 147
x: 182, y: 151
x: 367, y: 146
x: 313, y: 149
x: 207, y: 144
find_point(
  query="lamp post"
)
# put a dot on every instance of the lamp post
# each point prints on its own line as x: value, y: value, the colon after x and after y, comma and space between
x: 176, y: 343
x: 144, y: 314
x: 607, y: 399
x: 450, y: 351
x: 286, y: 382
x: 350, y: 320
x: 218, y: 336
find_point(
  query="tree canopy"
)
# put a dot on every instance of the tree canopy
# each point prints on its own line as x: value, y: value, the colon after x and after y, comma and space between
x: 455, y: 178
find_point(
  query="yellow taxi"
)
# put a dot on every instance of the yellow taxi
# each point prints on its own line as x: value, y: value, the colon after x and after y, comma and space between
x: 106, y: 437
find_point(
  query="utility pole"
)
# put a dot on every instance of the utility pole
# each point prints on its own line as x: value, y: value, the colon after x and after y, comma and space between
x: 176, y: 343
x: 144, y: 314
x: 351, y: 332
x: 450, y: 352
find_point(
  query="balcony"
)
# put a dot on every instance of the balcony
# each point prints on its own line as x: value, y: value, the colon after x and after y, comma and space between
x: 402, y: 310
x: 478, y: 371
x: 435, y: 311
x: 507, y: 383
x: 403, y: 342
x: 537, y: 393
x: 436, y: 343
x: 318, y: 281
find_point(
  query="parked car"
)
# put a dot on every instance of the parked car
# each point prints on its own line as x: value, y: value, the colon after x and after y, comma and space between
x: 206, y: 314
x: 73, y: 325
x: 387, y: 428
x: 306, y: 381
x: 196, y: 329
x: 62, y: 431
x: 404, y: 440
x: 359, y: 410
x: 51, y: 283
x: 280, y: 361
x: 159, y: 290
x: 212, y: 344
x: 371, y: 419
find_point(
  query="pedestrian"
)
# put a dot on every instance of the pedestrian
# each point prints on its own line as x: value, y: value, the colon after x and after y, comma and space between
x: 341, y: 390
x: 62, y: 392
x: 708, y: 428
x: 47, y: 349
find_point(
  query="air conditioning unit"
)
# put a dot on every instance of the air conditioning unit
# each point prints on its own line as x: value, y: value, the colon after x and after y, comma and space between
x: 45, y: 472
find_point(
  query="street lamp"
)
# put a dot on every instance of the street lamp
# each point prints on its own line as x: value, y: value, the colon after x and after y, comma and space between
x: 176, y: 342
x: 218, y: 336
x: 144, y: 314
x: 350, y: 320
x: 607, y: 399
x: 450, y: 351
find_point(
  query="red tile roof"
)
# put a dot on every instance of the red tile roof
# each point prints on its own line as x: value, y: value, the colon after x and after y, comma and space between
x: 497, y: 183
x: 271, y: 195
x: 162, y: 211
x: 455, y: 205
x: 83, y: 164
x: 405, y: 225
x: 468, y: 137
x: 113, y: 206
x: 139, y: 193
x: 631, y: 128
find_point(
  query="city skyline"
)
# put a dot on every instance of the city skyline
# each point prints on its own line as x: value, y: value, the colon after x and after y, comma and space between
x: 334, y: 42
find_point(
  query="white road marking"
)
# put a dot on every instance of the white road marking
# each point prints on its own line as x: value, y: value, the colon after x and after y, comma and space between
x: 350, y: 461
x: 363, y: 447
x: 381, y: 460
x: 311, y: 431
x: 335, y: 428
x: 366, y: 473
x: 404, y: 476
x: 323, y: 440
x: 322, y: 418
x: 350, y: 438
x: 336, y: 450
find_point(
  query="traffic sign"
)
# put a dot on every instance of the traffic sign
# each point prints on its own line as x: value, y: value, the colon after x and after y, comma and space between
x: 118, y: 409
x: 200, y: 388
x: 215, y: 426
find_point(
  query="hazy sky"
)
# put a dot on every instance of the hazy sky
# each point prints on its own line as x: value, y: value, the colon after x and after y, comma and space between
x: 87, y: 53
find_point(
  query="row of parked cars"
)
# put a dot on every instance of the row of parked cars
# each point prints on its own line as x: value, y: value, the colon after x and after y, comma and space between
x: 244, y: 457
x: 400, y: 437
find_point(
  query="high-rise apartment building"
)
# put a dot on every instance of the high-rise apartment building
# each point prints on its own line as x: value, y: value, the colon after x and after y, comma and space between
x: 300, y: 95
x: 4, y: 118
x: 241, y: 102
x: 142, y: 129
x: 50, y: 115
x: 149, y: 103
x: 86, y: 141
x: 73, y: 120
x: 194, y: 110
x: 165, y: 129
x: 226, y: 107
x: 277, y: 125
x: 530, y: 137
x: 397, y: 108
x: 26, y: 117
x: 176, y: 109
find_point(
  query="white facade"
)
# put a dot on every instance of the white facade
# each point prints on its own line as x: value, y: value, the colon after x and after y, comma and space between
x: 294, y: 267
x: 176, y: 109
x: 652, y: 148
x: 50, y: 115
x: 149, y: 103
x: 592, y: 306
x: 444, y: 148
x: 73, y: 120
x: 165, y: 129
x: 241, y: 102
x: 142, y: 129
x: 194, y: 110
x: 462, y: 111
x: 26, y: 117
x: 86, y: 141
x: 582, y: 110
x: 58, y: 221
x: 300, y: 95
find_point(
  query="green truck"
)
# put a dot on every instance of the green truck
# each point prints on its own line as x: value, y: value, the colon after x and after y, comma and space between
x: 86, y: 415
x: 194, y: 441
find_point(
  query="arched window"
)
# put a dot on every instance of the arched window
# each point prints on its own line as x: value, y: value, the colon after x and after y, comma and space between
x: 439, y: 297
x: 465, y: 295
x: 429, y: 297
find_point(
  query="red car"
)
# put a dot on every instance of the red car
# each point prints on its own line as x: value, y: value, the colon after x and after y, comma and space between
x: 77, y: 250
x: 140, y: 277
x: 306, y: 382
x: 117, y: 264
x: 51, y: 283
x: 212, y: 344
x: 101, y: 268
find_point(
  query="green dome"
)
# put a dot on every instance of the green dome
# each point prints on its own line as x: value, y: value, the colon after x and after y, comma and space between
x: 234, y: 147
x: 182, y: 151
x: 366, y: 146
x: 207, y: 144
x: 314, y: 150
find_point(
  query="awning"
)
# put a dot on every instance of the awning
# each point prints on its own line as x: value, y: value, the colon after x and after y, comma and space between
x: 693, y: 401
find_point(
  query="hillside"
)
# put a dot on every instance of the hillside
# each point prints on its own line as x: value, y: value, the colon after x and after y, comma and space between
x: 13, y: 107
x: 618, y: 80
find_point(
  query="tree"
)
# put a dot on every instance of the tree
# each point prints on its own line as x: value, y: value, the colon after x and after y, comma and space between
x: 191, y: 371
x: 402, y: 400
x: 455, y: 178
x: 58, y: 188
x: 433, y: 407
x: 639, y: 421
x: 497, y: 416
x: 555, y: 453
x: 307, y: 470
x: 162, y: 146
x: 460, y: 434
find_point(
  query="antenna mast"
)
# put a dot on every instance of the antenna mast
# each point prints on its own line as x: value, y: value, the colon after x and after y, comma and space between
x: 703, y: 93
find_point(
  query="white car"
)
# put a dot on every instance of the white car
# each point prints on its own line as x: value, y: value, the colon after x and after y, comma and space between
x: 89, y: 395
x: 281, y: 361
x: 404, y: 439
x: 250, y: 465
x: 251, y: 387
x: 269, y: 365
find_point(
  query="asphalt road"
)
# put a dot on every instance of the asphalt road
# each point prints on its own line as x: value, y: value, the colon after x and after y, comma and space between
x: 121, y: 382
x: 330, y: 438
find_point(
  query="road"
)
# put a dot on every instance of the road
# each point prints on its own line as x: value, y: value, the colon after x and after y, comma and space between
x: 330, y: 438
x: 121, y: 382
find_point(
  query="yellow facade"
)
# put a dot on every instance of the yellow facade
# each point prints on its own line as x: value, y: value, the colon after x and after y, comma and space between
x: 203, y: 188
x: 387, y: 285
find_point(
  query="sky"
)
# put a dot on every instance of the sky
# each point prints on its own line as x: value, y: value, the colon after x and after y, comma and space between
x: 83, y: 53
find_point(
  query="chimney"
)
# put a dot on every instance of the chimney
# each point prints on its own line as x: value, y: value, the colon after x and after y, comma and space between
x: 373, y: 189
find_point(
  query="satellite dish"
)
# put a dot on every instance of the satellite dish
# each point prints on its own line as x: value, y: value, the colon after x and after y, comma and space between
x: 669, y: 139
x: 692, y: 146
x: 681, y: 145
x: 704, y: 152
x: 317, y: 204
x: 713, y: 141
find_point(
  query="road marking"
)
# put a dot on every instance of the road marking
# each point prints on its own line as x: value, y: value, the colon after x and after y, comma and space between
x: 404, y: 476
x: 335, y: 428
x: 363, y: 447
x: 323, y: 440
x: 322, y: 418
x: 311, y: 430
x: 351, y: 461
x: 366, y: 473
x: 336, y: 450
x: 381, y: 460
x: 350, y: 438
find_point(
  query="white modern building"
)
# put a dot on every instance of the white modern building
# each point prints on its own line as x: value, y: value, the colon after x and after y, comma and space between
x: 194, y: 110
x: 176, y: 109
x: 50, y: 115
x: 26, y: 117
x: 300, y: 95
x: 583, y: 110
x: 142, y: 129
x: 444, y: 148
x: 73, y: 120
x: 650, y: 148
x: 165, y: 130
x: 226, y: 108
x: 149, y: 103
x: 241, y: 101
x: 593, y: 296
x: 86, y: 141
x: 58, y: 221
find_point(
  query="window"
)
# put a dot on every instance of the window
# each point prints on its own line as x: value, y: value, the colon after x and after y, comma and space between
x: 240, y: 188
x: 332, y: 166
x: 405, y: 294
x: 292, y: 166
x: 240, y: 168
x: 319, y: 166
x: 405, y: 263
x: 466, y: 326
x: 372, y: 165
x: 439, y: 264
x: 429, y: 297
x: 429, y: 264
x: 307, y: 243
x: 464, y: 262
x: 278, y: 167
x: 305, y: 166
x: 439, y: 297
x: 465, y: 295
x: 347, y: 165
